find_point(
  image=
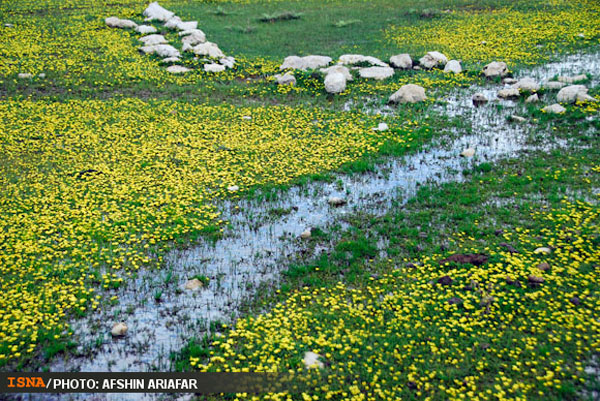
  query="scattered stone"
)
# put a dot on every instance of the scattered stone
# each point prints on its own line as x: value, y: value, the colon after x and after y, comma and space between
x: 306, y: 233
x: 453, y: 66
x: 475, y: 259
x: 515, y: 283
x: 233, y: 188
x: 417, y: 68
x: 470, y: 152
x: 305, y: 63
x: 311, y: 360
x: 115, y: 22
x: 575, y: 301
x: 335, y: 83
x: 338, y: 68
x: 518, y: 119
x: 378, y: 73
x: 246, y: 118
x: 119, y: 330
x: 286, y: 79
x: 162, y: 50
x: 535, y: 279
x: 533, y: 98
x: 336, y: 201
x: 433, y: 59
x: 155, y: 12
x: 208, y: 49
x: 176, y: 23
x: 527, y: 84
x: 495, y: 69
x: 170, y: 60
x: 401, y: 61
x: 146, y: 29
x: 410, y: 93
x: 455, y: 301
x: 543, y: 250
x: 193, y: 284
x: 195, y: 37
x: 508, y: 93
x: 509, y: 81
x: 554, y: 109
x: 351, y: 59
x: 508, y: 247
x: 177, y: 69
x: 573, y: 79
x: 554, y: 85
x: 228, y: 62
x: 544, y: 266
x: 41, y: 75
x: 9, y: 25
x: 574, y: 93
x: 25, y: 75
x: 487, y: 300
x: 381, y: 127
x: 152, y: 40
x: 479, y: 99
x: 445, y: 280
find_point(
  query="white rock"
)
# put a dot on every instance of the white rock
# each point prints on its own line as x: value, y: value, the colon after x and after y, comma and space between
x: 119, y: 329
x: 433, y: 59
x: 574, y: 93
x: 228, y: 62
x: 517, y: 119
x: 177, y: 69
x: 554, y: 109
x: 381, y: 127
x: 246, y: 117
x: 286, y: 79
x: 509, y: 81
x: 214, y: 67
x: 554, y: 85
x: 115, y: 22
x: 401, y: 61
x: 170, y: 60
x: 377, y: 73
x: 335, y: 82
x: 208, y: 49
x: 543, y: 250
x: 527, y: 84
x: 410, y: 93
x: 306, y: 233
x: 340, y: 69
x: 25, y: 75
x: 350, y: 59
x: 155, y: 12
x: 336, y: 201
x: 495, y: 69
x: 570, y: 80
x: 479, y: 99
x: 453, y: 66
x: 533, y: 98
x: 9, y: 25
x: 312, y: 361
x: 41, y: 75
x: 194, y: 38
x: 145, y: 29
x: 152, y: 40
x: 162, y: 50
x: 187, y: 25
x: 469, y: 152
x: 193, y: 284
x: 508, y: 93
x: 305, y: 63
x: 233, y: 188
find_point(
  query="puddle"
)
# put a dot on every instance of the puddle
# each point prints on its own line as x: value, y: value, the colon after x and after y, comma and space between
x: 255, y: 247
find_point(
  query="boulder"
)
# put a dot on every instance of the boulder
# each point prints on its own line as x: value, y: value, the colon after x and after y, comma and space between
x: 338, y: 69
x: 233, y: 188
x: 311, y: 360
x: 208, y: 49
x: 544, y: 250
x: 533, y: 98
x: 508, y: 93
x: 359, y: 58
x: 25, y: 75
x: 495, y: 69
x: 115, y: 22
x: 145, y: 29
x: 554, y: 109
x: 214, y: 67
x: 573, y: 79
x: 479, y: 99
x: 228, y: 62
x: 152, y: 40
x: 381, y: 127
x: 286, y: 79
x: 119, y: 329
x: 306, y: 234
x: 177, y: 69
x: 509, y: 81
x: 378, y: 73
x: 574, y: 93
x: 170, y: 60
x: 155, y: 12
x: 432, y: 60
x: 161, y: 50
x: 554, y: 85
x: 187, y: 25
x: 517, y: 119
x: 193, y: 284
x: 410, y: 93
x: 195, y: 37
x: 401, y: 61
x: 453, y: 66
x: 336, y: 201
x: 527, y: 84
x: 305, y: 63
x: 469, y: 152
x: 335, y: 82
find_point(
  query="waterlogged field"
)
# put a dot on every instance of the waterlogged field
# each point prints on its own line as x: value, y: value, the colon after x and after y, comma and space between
x: 108, y: 162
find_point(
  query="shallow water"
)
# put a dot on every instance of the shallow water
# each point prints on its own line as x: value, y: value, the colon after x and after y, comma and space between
x: 255, y: 248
